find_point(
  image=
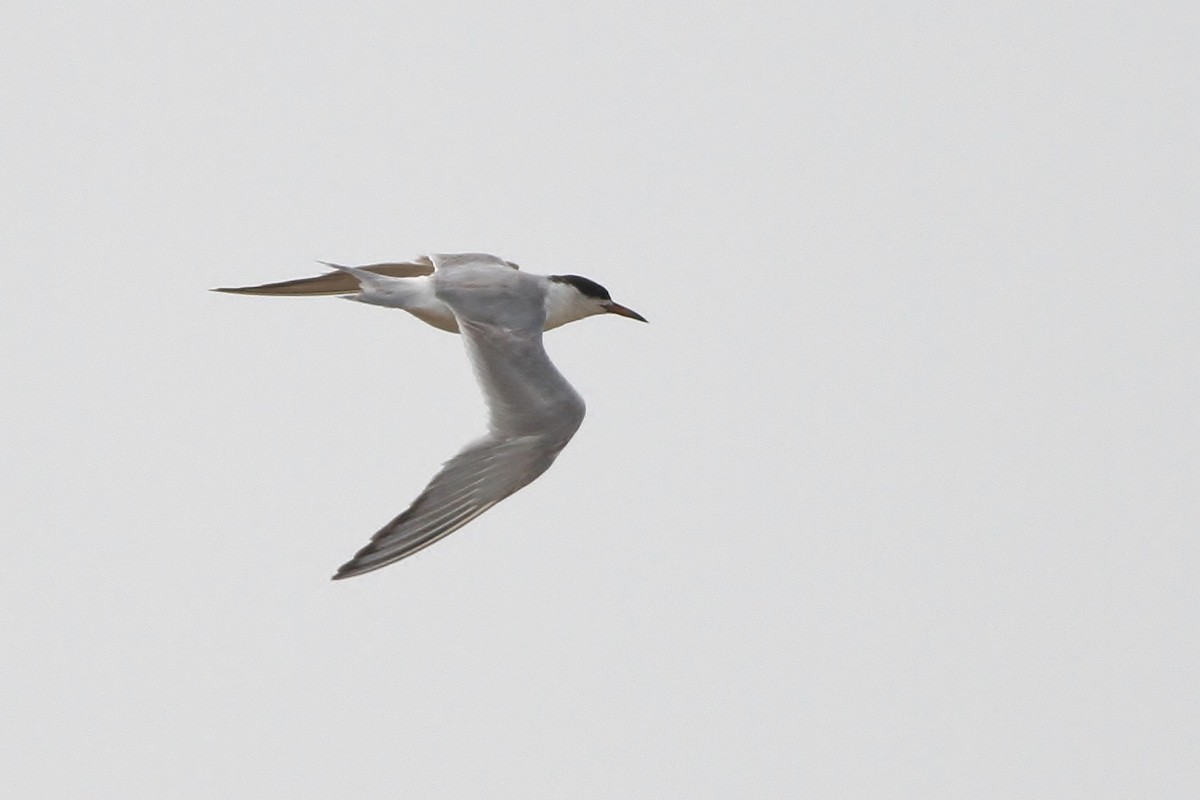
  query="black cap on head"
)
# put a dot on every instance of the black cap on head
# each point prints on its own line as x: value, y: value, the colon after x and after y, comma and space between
x: 585, y: 286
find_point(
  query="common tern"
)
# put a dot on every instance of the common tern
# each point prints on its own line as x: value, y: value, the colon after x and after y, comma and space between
x: 567, y: 297
x: 533, y: 412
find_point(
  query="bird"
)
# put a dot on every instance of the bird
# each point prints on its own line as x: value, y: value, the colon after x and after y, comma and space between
x: 533, y: 412
x: 568, y: 297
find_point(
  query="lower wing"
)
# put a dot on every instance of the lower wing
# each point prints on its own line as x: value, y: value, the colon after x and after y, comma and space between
x: 469, y: 484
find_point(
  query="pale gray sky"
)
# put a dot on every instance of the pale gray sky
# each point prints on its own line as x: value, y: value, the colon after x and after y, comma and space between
x: 894, y: 497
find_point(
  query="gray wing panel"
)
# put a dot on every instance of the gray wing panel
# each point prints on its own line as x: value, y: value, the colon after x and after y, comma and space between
x: 525, y: 393
x: 501, y: 314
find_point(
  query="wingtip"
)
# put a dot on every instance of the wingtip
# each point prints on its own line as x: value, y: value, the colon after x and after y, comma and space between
x: 350, y: 569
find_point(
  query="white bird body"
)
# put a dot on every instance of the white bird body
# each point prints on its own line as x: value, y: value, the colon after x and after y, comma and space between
x: 417, y: 296
x: 533, y: 411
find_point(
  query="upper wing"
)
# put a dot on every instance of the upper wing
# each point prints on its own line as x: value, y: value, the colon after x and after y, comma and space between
x: 444, y: 260
x: 335, y: 282
x: 342, y: 283
x: 534, y: 412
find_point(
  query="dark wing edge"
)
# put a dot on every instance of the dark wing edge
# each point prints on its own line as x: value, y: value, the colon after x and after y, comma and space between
x: 333, y: 283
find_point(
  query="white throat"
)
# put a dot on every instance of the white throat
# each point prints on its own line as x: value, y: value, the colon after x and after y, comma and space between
x: 565, y: 304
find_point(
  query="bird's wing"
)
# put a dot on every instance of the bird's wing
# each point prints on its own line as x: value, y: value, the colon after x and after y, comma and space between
x: 469, y: 484
x: 534, y: 412
x: 336, y: 282
x: 444, y: 260
x: 501, y: 313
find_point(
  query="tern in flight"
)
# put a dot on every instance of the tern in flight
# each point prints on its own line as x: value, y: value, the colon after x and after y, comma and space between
x: 532, y: 411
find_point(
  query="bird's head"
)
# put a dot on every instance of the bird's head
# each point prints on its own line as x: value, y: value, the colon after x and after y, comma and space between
x: 571, y: 297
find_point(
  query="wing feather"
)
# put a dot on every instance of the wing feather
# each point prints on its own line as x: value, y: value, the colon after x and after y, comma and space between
x: 335, y: 282
x: 473, y: 481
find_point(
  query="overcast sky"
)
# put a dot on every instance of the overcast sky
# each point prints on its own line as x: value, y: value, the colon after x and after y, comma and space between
x: 894, y: 497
